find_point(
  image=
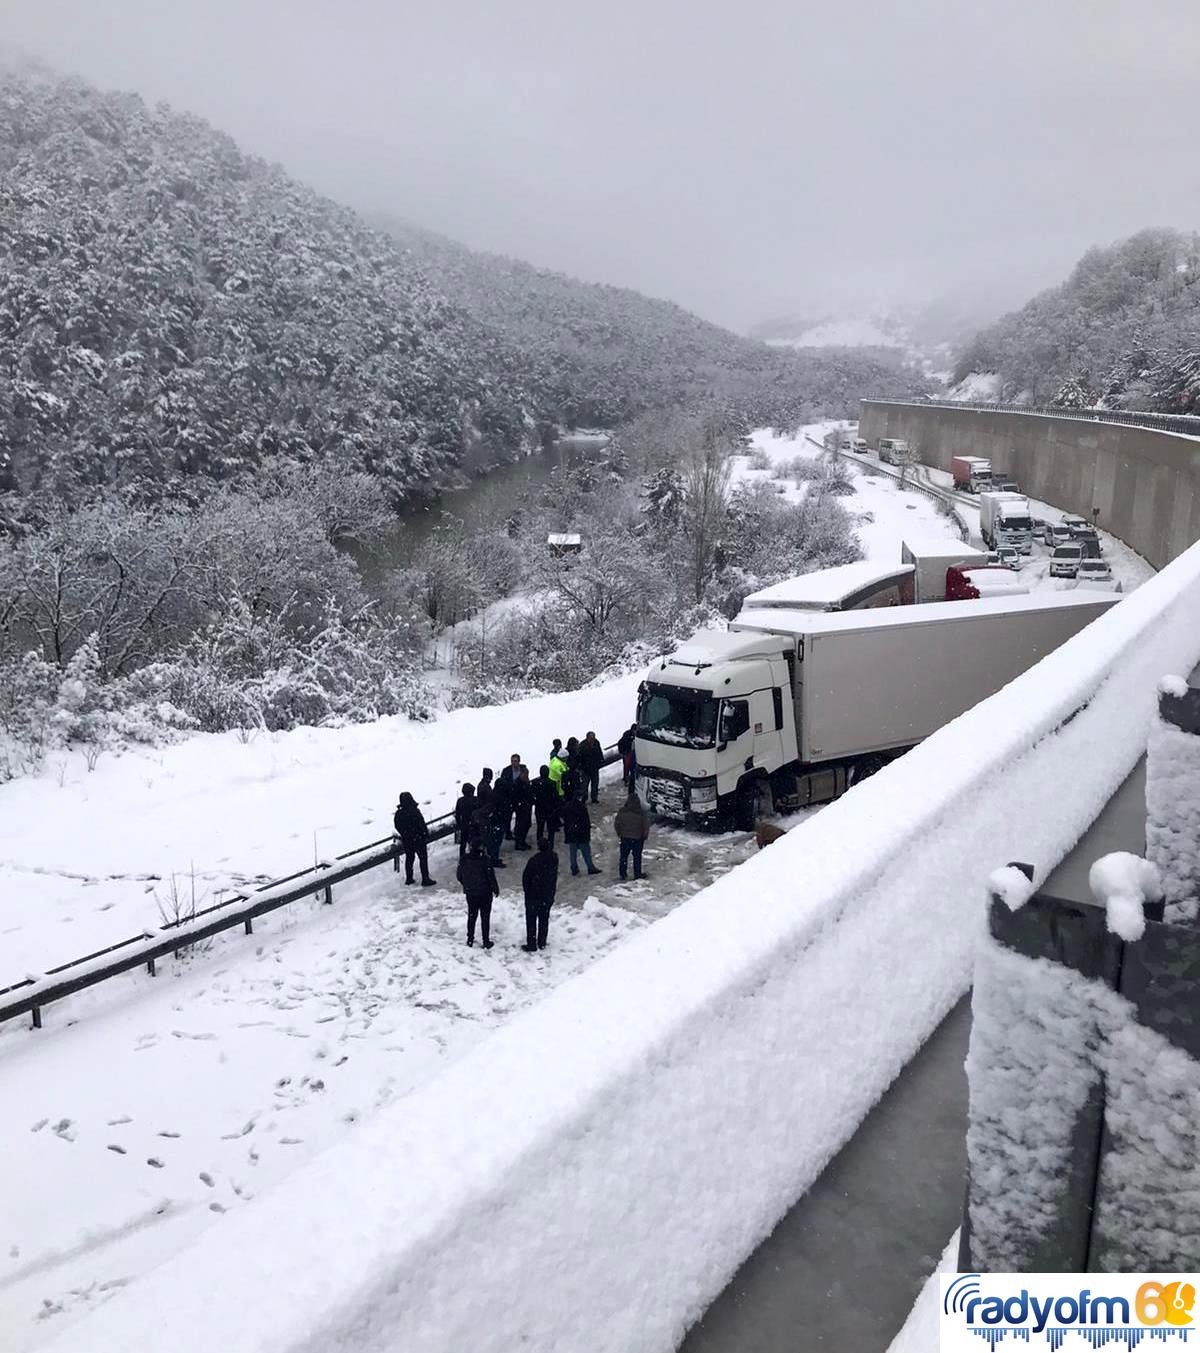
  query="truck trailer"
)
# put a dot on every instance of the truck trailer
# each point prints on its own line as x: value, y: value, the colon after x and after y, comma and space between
x: 931, y: 559
x: 801, y: 705
x: 848, y: 587
x: 1005, y: 519
x: 972, y: 474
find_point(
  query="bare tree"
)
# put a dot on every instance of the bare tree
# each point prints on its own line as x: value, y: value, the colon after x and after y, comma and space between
x: 705, y: 465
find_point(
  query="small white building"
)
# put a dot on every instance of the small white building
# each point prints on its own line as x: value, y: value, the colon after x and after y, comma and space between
x: 569, y: 542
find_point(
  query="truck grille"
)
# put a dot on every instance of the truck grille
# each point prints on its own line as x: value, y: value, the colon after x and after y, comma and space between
x: 664, y: 796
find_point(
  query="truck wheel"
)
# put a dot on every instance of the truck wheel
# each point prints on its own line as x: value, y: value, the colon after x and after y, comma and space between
x: 865, y: 768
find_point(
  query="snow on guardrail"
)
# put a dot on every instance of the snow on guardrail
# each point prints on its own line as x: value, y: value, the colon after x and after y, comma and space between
x: 590, y: 1176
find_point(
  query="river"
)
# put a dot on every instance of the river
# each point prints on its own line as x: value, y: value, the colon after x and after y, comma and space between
x: 481, y: 501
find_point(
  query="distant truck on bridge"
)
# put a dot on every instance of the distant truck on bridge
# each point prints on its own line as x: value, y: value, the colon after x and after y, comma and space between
x: 799, y: 705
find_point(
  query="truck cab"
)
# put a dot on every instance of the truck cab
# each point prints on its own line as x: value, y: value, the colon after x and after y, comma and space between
x: 709, y: 713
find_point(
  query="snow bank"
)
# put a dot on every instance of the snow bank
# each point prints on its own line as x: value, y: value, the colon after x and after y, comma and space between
x: 590, y: 1176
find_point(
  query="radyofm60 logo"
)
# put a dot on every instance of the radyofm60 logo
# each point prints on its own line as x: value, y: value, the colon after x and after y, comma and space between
x: 1066, y: 1310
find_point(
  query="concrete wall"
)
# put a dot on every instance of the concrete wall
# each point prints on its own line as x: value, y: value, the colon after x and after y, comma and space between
x: 1146, y: 483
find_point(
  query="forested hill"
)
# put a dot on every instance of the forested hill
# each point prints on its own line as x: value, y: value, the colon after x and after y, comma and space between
x: 171, y: 306
x: 173, y: 310
x: 1122, y: 331
x: 603, y: 354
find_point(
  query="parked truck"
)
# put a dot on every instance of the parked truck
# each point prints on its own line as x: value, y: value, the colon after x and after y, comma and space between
x: 972, y: 474
x: 801, y: 705
x: 894, y: 451
x: 1005, y: 519
x: 931, y: 560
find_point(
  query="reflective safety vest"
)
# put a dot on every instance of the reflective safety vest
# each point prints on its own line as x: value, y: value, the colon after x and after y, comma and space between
x: 558, y: 768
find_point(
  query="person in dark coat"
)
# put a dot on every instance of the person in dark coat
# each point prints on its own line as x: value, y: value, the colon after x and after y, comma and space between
x: 485, y: 782
x: 522, y: 797
x: 556, y: 750
x: 546, y: 805
x: 508, y: 778
x: 464, y: 810
x: 577, y: 833
x: 625, y: 747
x: 479, y: 885
x: 540, y: 881
x: 571, y: 755
x: 414, y: 836
x: 481, y: 818
x: 632, y: 827
x: 499, y: 812
x: 591, y: 761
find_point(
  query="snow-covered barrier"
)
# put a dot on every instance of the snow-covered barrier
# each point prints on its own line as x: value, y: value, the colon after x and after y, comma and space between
x: 589, y: 1177
x: 1085, y: 1083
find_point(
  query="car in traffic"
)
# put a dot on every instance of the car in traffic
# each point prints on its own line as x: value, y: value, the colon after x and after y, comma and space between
x: 1008, y: 555
x: 1095, y: 571
x: 1058, y: 534
x: 1065, y: 561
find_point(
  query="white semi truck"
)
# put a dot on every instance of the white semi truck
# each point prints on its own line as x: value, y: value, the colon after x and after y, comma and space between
x: 1005, y: 519
x: 801, y: 704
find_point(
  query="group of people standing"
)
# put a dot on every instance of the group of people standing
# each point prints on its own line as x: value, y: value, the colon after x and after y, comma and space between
x: 505, y: 808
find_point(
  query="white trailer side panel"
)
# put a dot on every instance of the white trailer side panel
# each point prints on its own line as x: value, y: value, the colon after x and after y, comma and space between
x: 867, y: 690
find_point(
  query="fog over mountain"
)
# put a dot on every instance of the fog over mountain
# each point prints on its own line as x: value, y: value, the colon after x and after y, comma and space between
x: 764, y: 159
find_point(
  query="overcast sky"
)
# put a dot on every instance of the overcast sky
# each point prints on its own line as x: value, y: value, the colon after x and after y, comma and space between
x: 746, y: 158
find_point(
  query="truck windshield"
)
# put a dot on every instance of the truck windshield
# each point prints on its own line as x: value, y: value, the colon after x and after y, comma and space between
x: 1016, y: 523
x: 675, y: 715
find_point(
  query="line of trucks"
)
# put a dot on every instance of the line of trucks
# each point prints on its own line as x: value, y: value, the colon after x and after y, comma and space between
x: 823, y: 679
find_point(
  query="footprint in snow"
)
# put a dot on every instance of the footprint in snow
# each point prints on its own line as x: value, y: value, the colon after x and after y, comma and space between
x: 154, y: 1162
x: 119, y: 1122
x: 120, y: 1150
x: 206, y: 1178
x: 39, y: 1125
x: 216, y: 1207
x: 169, y: 1134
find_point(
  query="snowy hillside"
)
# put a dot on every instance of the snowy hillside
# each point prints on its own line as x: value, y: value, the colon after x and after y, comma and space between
x: 1123, y: 330
x: 844, y: 333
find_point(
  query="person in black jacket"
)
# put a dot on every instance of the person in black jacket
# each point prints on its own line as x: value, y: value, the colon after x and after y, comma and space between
x: 478, y: 880
x: 522, y: 797
x: 591, y: 761
x: 482, y: 823
x: 502, y: 813
x: 485, y: 782
x: 577, y: 833
x: 507, y: 779
x: 546, y: 802
x: 540, y: 880
x: 464, y: 810
x: 625, y: 747
x: 414, y: 836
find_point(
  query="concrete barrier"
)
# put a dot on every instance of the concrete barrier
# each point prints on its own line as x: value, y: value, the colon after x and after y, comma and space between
x: 1146, y: 482
x: 587, y: 1179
